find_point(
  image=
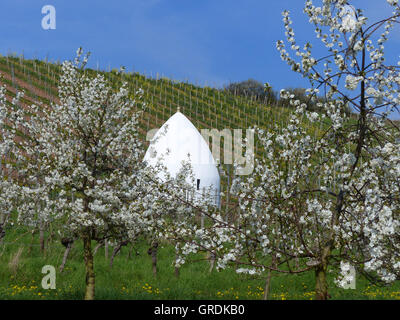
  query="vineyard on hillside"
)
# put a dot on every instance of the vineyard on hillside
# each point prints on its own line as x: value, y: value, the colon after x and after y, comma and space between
x: 205, y: 107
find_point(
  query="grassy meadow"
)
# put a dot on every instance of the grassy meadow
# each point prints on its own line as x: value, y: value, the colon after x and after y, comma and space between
x: 131, y: 277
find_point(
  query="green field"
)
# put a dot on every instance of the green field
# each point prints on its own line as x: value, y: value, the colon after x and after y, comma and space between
x: 131, y: 276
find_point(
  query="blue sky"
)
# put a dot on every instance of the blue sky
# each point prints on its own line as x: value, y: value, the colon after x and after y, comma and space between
x: 209, y: 42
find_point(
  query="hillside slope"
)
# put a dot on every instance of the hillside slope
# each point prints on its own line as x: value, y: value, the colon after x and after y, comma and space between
x: 206, y: 107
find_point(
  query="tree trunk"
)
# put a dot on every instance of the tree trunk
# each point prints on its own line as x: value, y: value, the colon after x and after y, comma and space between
x: 212, y: 262
x: 267, y: 285
x: 154, y: 258
x: 269, y: 276
x: 50, y: 237
x: 177, y: 271
x: 2, y: 227
x: 130, y: 253
x: 106, y: 249
x: 321, y: 286
x: 153, y: 252
x: 97, y: 247
x: 66, y: 253
x: 90, y: 276
x: 32, y: 241
x: 2, y: 233
x: 116, y: 250
x: 41, y: 237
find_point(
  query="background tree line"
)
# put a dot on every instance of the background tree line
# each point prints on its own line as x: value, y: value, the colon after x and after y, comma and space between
x: 265, y: 94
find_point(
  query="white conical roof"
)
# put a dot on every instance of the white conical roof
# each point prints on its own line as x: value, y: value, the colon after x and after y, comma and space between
x: 177, y: 138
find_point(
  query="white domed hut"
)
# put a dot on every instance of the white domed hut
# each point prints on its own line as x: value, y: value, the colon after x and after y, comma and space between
x: 177, y: 138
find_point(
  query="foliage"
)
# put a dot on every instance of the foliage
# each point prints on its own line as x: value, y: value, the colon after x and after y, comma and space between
x: 78, y: 163
x: 329, y: 200
x: 253, y: 88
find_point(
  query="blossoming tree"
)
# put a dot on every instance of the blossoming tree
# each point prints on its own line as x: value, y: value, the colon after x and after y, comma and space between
x: 7, y: 188
x: 325, y: 196
x: 79, y: 161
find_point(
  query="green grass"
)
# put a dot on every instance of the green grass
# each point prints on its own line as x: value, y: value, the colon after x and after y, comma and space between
x: 132, y: 278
